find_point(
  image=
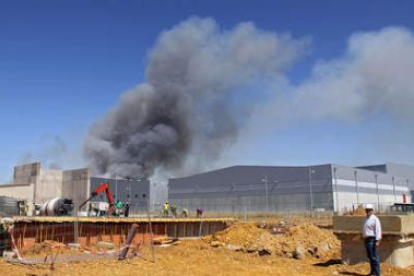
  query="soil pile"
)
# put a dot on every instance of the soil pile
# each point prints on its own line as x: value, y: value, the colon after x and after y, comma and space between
x: 243, y: 235
x: 360, y: 211
x: 307, y: 240
x: 46, y: 247
x: 298, y: 242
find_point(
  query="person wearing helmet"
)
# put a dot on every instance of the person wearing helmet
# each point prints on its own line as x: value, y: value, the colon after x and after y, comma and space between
x: 166, y: 207
x: 371, y: 231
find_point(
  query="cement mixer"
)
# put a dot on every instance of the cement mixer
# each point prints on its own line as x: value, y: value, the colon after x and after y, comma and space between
x: 57, y: 206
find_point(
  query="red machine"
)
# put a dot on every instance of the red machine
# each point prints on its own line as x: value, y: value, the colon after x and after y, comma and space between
x: 104, y: 187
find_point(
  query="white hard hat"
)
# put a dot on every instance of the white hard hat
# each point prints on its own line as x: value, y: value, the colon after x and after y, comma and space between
x: 369, y: 206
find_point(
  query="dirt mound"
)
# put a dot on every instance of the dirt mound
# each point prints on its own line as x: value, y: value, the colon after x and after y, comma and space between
x: 298, y: 242
x: 243, y: 235
x: 360, y: 211
x: 307, y: 240
x: 45, y: 247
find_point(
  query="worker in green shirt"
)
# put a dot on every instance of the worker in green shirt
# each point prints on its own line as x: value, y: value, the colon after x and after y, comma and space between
x: 173, y: 208
x: 118, y: 206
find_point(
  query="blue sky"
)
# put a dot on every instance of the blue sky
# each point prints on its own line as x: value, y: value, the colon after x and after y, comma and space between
x: 63, y: 64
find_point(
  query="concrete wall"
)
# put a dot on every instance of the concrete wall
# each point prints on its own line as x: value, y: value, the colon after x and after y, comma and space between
x: 49, y: 185
x: 396, y: 245
x: 27, y: 173
x: 20, y: 192
x: 76, y: 186
x: 25, y: 179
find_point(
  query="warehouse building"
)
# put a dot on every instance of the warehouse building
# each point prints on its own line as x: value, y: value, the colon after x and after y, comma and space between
x: 328, y: 187
x: 35, y: 185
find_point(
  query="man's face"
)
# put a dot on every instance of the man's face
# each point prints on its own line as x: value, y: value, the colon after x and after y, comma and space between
x: 368, y: 211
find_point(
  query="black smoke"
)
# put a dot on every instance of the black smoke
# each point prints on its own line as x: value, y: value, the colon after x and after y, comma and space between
x: 182, y: 115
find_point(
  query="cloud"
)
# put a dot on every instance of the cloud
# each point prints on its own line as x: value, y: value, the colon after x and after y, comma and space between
x: 373, y: 77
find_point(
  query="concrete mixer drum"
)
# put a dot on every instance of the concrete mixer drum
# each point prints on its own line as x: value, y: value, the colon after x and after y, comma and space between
x: 57, y: 206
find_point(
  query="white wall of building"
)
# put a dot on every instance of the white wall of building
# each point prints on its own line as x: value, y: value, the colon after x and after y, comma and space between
x: 366, y: 192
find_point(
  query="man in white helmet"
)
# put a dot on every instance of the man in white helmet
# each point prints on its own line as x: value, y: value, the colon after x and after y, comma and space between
x: 372, y: 234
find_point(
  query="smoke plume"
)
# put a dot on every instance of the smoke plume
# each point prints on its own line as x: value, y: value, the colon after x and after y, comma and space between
x: 50, y: 149
x: 184, y: 113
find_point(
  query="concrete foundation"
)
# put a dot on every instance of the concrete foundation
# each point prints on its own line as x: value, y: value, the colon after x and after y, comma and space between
x: 397, y: 245
x: 90, y: 230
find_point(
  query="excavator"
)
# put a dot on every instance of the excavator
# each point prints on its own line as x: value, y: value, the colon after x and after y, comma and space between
x: 104, y: 187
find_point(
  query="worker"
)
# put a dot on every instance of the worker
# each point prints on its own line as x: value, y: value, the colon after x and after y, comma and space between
x: 118, y: 206
x: 166, y: 207
x: 126, y: 212
x: 184, y: 213
x: 200, y: 213
x: 174, y: 209
x: 25, y: 209
x: 371, y: 231
x: 22, y: 208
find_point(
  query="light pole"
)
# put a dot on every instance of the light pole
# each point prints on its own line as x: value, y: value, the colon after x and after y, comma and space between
x: 356, y: 186
x: 311, y: 171
x: 266, y: 181
x: 393, y: 189
x: 336, y: 188
x: 116, y: 186
x: 378, y: 197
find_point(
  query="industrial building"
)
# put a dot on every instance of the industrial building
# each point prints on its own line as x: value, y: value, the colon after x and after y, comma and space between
x: 35, y: 185
x: 327, y: 187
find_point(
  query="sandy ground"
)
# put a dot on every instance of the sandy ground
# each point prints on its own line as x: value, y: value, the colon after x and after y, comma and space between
x: 197, y: 258
x: 202, y: 258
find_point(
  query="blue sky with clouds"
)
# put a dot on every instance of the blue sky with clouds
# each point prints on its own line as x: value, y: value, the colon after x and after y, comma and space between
x: 63, y: 64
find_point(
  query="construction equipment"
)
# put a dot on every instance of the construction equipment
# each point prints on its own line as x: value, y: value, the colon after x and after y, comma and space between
x: 57, y: 206
x: 402, y: 208
x: 104, y: 187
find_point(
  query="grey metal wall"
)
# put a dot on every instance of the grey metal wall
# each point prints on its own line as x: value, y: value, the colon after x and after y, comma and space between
x: 131, y: 191
x: 255, y: 189
x: 9, y: 206
x: 402, y: 171
x: 361, y: 176
x: 370, y: 184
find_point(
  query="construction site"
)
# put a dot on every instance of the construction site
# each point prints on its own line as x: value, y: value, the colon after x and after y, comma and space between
x: 57, y: 223
x: 206, y: 138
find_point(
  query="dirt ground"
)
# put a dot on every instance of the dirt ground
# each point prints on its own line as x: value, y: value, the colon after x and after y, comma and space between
x: 201, y: 258
x: 197, y: 258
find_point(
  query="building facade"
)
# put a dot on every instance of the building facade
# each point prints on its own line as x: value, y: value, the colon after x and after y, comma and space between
x: 253, y: 189
x: 35, y: 185
x: 134, y: 192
